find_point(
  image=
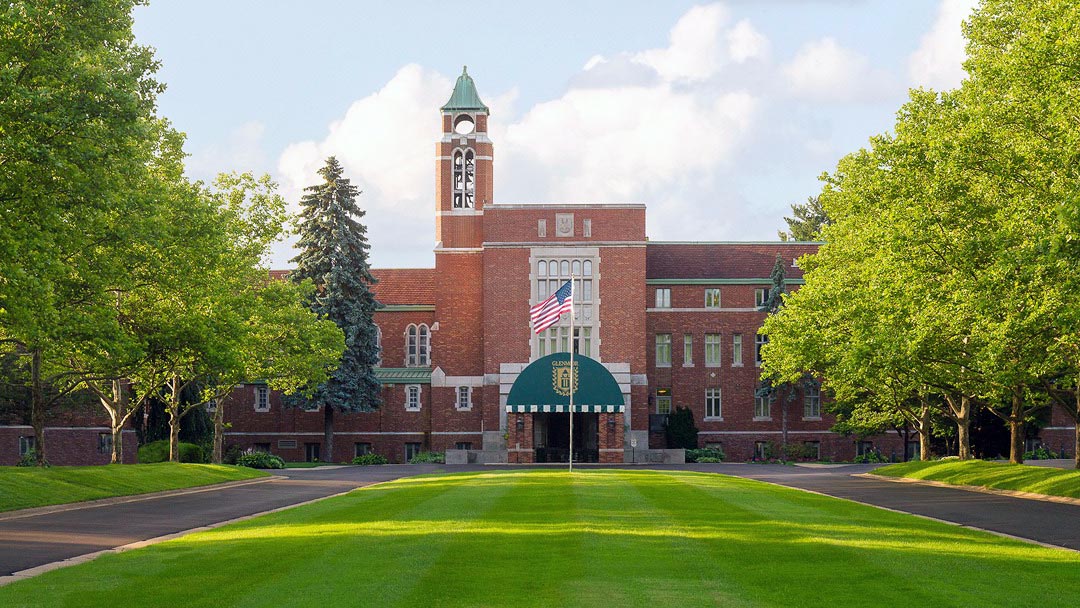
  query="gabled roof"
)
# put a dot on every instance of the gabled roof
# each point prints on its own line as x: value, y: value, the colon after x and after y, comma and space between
x: 722, y: 260
x: 404, y: 285
x: 465, y: 98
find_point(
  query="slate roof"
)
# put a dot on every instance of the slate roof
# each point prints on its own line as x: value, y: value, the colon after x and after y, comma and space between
x: 721, y: 260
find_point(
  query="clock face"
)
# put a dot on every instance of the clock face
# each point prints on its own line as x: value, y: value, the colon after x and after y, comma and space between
x: 463, y: 125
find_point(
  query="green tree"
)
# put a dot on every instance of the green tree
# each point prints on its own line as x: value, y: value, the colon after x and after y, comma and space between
x: 807, y: 223
x: 334, y: 256
x: 681, y: 432
x: 77, y: 133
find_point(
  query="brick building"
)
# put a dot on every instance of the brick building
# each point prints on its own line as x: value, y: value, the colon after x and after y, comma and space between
x: 673, y: 324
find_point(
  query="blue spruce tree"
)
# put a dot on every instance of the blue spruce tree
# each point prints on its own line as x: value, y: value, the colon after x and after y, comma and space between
x: 334, y: 255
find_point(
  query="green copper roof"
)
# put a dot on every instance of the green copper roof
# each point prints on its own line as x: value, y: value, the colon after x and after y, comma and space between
x: 464, y: 98
x: 403, y: 375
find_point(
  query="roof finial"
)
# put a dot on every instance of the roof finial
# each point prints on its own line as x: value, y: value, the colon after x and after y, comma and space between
x: 464, y: 69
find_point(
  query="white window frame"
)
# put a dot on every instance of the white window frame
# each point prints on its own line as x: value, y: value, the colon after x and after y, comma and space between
x: 420, y: 355
x: 409, y: 405
x: 812, y: 403
x: 663, y: 404
x: 736, y: 350
x: 663, y: 297
x: 586, y: 228
x: 713, y: 404
x: 712, y: 297
x: 378, y: 346
x: 762, y: 408
x: 713, y: 354
x: 663, y: 350
x: 759, y: 341
x: 466, y: 392
x: 761, y: 296
x: 262, y: 398
x: 541, y: 228
x: 688, y: 350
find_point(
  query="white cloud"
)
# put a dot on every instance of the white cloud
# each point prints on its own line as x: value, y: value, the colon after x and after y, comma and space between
x: 385, y: 143
x: 745, y: 42
x: 822, y: 70
x: 695, y: 52
x: 938, y: 62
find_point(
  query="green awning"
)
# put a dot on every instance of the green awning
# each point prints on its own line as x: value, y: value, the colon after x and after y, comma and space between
x: 403, y: 375
x: 545, y: 385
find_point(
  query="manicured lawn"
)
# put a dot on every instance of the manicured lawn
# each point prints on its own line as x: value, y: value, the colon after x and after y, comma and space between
x: 24, y: 487
x: 594, y: 538
x: 998, y: 475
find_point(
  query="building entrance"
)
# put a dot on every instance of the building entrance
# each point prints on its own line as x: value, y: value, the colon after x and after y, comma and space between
x: 551, y: 437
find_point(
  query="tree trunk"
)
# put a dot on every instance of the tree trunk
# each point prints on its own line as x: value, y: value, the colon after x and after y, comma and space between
x: 963, y: 428
x: 924, y: 431
x: 328, y: 433
x: 1076, y: 447
x: 1016, y: 428
x: 219, y: 431
x: 117, y: 418
x: 37, y: 407
x: 173, y: 408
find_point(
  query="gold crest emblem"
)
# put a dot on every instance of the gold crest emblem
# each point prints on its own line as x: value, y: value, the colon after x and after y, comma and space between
x: 562, y: 379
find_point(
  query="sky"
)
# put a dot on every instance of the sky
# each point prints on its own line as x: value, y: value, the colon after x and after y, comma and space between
x: 717, y: 116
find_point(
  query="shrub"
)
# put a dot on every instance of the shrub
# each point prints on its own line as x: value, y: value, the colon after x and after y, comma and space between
x: 1039, y: 453
x: 256, y: 459
x: 158, y: 451
x: 428, y: 457
x: 870, y: 457
x: 29, y: 459
x: 369, y: 459
x: 232, y: 454
x: 705, y: 455
x: 681, y: 432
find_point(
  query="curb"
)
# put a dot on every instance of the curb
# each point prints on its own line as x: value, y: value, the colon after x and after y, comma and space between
x: 79, y: 559
x: 117, y: 500
x: 979, y: 489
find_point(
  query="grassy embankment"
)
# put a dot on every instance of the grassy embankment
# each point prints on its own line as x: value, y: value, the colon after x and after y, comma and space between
x: 996, y: 475
x: 25, y: 487
x: 592, y: 538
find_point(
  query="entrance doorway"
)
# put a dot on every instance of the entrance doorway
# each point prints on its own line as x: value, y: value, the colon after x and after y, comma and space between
x: 551, y: 437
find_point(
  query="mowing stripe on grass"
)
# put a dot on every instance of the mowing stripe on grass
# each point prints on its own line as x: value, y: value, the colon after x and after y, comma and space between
x: 591, y: 538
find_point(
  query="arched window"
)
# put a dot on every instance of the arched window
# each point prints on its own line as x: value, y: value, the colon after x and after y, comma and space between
x: 417, y: 346
x: 464, y: 179
x: 378, y: 345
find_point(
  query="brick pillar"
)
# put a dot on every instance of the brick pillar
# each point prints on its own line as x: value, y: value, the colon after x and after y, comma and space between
x: 520, y: 447
x: 611, y: 438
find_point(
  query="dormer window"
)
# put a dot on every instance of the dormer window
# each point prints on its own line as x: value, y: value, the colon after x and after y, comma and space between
x: 464, y: 179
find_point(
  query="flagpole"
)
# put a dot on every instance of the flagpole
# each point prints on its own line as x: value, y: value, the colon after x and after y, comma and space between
x: 573, y: 375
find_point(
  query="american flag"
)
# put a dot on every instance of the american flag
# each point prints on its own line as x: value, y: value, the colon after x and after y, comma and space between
x: 547, y: 313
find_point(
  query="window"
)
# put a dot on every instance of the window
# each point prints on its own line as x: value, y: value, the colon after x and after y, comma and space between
x: 761, y: 407
x: 104, y: 443
x: 211, y: 406
x: 412, y: 397
x: 362, y: 448
x: 586, y: 228
x: 712, y: 350
x: 663, y: 297
x: 378, y: 346
x: 663, y: 401
x: 761, y: 296
x: 812, y: 402
x: 812, y: 450
x: 311, y: 452
x: 663, y: 350
x: 262, y: 399
x: 541, y: 228
x: 762, y: 450
x: 712, y: 403
x: 417, y: 346
x: 714, y: 445
x: 26, y: 445
x: 463, y: 445
x: 464, y: 397
x: 712, y: 297
x: 862, y: 448
x: 261, y: 447
x: 736, y: 350
x: 557, y: 340
x: 759, y: 341
x: 464, y: 179
x: 550, y: 276
x: 310, y: 406
x: 411, y: 450
x: 688, y: 350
